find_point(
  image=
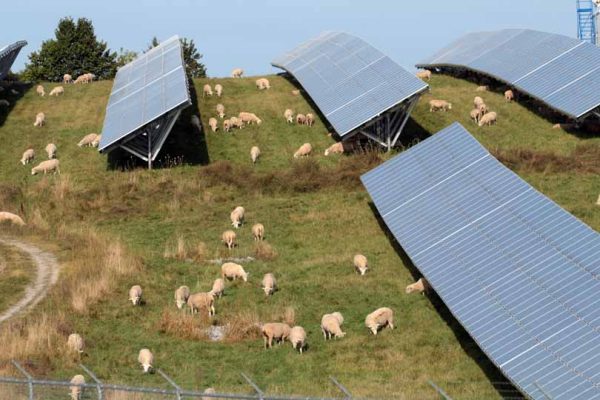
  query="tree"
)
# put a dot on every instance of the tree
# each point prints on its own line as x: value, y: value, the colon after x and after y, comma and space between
x: 125, y: 57
x: 191, y: 57
x: 75, y: 50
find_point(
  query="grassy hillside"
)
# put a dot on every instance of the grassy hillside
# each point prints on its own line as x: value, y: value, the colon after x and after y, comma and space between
x: 113, y: 229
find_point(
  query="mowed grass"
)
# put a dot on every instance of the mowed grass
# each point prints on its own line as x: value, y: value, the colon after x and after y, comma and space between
x: 16, y: 272
x: 314, y: 229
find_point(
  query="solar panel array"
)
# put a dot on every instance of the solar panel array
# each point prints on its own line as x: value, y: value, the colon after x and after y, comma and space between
x: 145, y: 89
x: 558, y: 70
x: 8, y: 54
x: 519, y: 272
x: 349, y: 80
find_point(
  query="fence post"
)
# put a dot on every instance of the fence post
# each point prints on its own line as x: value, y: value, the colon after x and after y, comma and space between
x: 341, y: 387
x: 439, y: 390
x: 29, y: 378
x: 172, y: 383
x: 98, y: 383
x: 259, y: 392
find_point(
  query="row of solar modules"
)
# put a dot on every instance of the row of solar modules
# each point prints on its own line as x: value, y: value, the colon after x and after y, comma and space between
x: 520, y: 273
x: 8, y: 54
x: 558, y: 70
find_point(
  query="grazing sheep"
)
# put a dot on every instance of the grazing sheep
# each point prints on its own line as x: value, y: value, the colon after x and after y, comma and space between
x: 235, y: 122
x: 218, y: 89
x: 228, y: 237
x: 482, y: 88
x: 598, y: 201
x: 258, y: 231
x: 51, y: 150
x: 88, y: 140
x: 336, y: 148
x: 85, y: 78
x: 263, y: 83
x: 425, y: 74
x: 288, y: 114
x: 209, y: 391
x: 226, y: 125
x: 221, y: 110
x: 96, y: 141
x: 300, y: 119
x: 76, y: 388
x: 303, y: 151
x: 297, y: 338
x: 269, y: 284
x: 218, y: 288
x: 237, y: 216
x: 475, y: 115
x: 182, y: 295
x: 40, y: 119
x: 67, y: 78
x: 4, y: 103
x: 90, y: 77
x: 201, y: 300
x: 379, y: 319
x: 57, y: 91
x: 419, y: 286
x: 5, y: 216
x: 477, y: 101
x: 275, y: 330
x: 237, y: 73
x: 509, y: 95
x: 254, y: 154
x: 135, y: 295
x: 46, y: 166
x: 295, y: 92
x: 207, y: 91
x: 75, y: 343
x: 436, y: 105
x: 40, y: 90
x: 310, y: 119
x: 212, y: 122
x: 146, y: 359
x: 249, y: 118
x: 488, y: 119
x: 28, y: 156
x: 482, y: 108
x: 331, y: 325
x: 360, y: 264
x: 233, y: 271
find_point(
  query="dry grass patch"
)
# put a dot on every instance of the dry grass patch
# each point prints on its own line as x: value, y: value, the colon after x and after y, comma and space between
x: 264, y: 251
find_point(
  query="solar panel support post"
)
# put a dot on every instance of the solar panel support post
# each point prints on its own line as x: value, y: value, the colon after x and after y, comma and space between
x: 149, y: 150
x: 407, y: 113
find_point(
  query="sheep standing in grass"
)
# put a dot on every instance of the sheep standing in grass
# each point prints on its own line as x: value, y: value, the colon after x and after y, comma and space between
x: 336, y: 148
x: 482, y: 88
x: 135, y: 295
x: 218, y: 89
x: 360, y: 264
x: 146, y: 359
x: 249, y: 118
x: 235, y: 122
x: 509, y: 95
x: 207, y: 91
x: 254, y: 154
x: 295, y: 92
x: 75, y: 343
x: 40, y: 119
x: 76, y: 388
x: 269, y: 284
x: 277, y: 331
x: 218, y: 288
x: 46, y: 166
x: 288, y: 114
x: 263, y: 83
x: 40, y: 90
x: 5, y: 216
x: 228, y: 237
x: 297, y: 338
x: 310, y: 119
x: 181, y: 296
x: 303, y: 151
x: 67, y: 78
x: 51, y: 150
x: 488, y: 119
x: 300, y: 119
x: 96, y: 141
x: 28, y: 156
x: 598, y: 201
x: 57, y: 91
x: 424, y: 75
x: 483, y: 108
x: 88, y: 140
x: 420, y: 286
x: 475, y: 115
x: 237, y: 73
x: 331, y: 325
x: 258, y: 231
x: 221, y: 110
x: 380, y: 318
x: 437, y: 105
x: 237, y: 216
x: 227, y: 125
x: 204, y: 300
x: 477, y: 101
x: 212, y: 122
x: 233, y: 271
x: 85, y: 78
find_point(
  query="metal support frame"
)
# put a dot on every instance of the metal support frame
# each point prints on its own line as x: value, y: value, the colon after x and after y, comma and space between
x: 95, y: 379
x: 341, y: 387
x: 439, y: 390
x: 260, y: 393
x: 29, y: 378
x: 172, y: 383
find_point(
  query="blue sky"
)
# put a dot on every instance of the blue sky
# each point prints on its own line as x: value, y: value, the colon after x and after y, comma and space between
x: 250, y: 34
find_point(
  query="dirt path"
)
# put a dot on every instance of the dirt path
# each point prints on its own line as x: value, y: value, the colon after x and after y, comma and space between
x: 47, y: 275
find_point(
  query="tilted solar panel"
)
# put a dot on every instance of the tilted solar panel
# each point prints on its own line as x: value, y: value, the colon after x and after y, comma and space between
x: 554, y: 69
x: 349, y: 80
x: 8, y: 54
x: 516, y: 270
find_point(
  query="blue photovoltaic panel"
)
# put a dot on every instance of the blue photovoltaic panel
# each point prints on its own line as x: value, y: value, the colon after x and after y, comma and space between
x: 560, y: 71
x: 349, y: 80
x: 146, y: 88
x: 8, y: 54
x: 517, y: 271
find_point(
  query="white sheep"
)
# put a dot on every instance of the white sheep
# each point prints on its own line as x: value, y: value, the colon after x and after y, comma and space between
x: 380, y: 318
x: 28, y: 156
x: 212, y: 122
x: 76, y: 387
x: 221, y: 110
x: 6, y: 216
x: 249, y: 118
x: 420, y: 286
x: 331, y: 325
x: 40, y: 90
x: 482, y: 88
x: 254, y: 154
x: 275, y: 330
x: 181, y: 296
x: 40, y: 119
x: 237, y: 216
x: 96, y: 141
x: 207, y: 90
x: 300, y: 119
x: 336, y: 148
x: 218, y: 288
x: 67, y: 78
x: 209, y: 391
x: 483, y: 108
x: 4, y: 103
x: 135, y: 295
x: 303, y: 151
x: 226, y: 125
x: 218, y: 89
x: 203, y: 300
x: 436, y: 105
x: 51, y: 150
x: 75, y: 343
x: 269, y: 284
x: 146, y: 359
x: 310, y: 119
x: 360, y: 264
x: 477, y: 101
x: 488, y: 119
x: 298, y: 338
x: 263, y: 83
x: 475, y: 115
x: 233, y: 271
x: 288, y: 114
x: 295, y: 92
x: 258, y: 231
x: 88, y: 140
x: 237, y: 73
x: 85, y: 78
x: 425, y: 74
x: 235, y: 122
x: 57, y: 91
x: 46, y: 166
x: 509, y: 95
x: 228, y: 237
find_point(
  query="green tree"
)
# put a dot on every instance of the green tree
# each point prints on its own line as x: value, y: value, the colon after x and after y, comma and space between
x: 75, y: 50
x: 125, y: 57
x: 191, y: 57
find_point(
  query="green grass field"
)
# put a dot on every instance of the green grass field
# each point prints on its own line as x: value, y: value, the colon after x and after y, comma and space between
x: 16, y: 269
x: 316, y: 214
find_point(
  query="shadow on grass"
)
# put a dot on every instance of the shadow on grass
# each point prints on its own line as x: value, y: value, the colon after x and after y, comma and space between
x: 6, y: 93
